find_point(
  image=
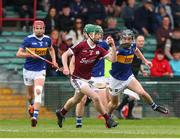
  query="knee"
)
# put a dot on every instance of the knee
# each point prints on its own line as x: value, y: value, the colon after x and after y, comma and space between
x: 142, y: 93
x: 38, y: 93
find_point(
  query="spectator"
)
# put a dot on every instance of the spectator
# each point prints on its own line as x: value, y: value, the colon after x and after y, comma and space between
x: 128, y: 14
x: 45, y: 5
x: 65, y: 19
x: 163, y: 33
x: 41, y: 5
x: 58, y: 4
x: 55, y: 37
x: 172, y: 44
x: 51, y: 20
x: 161, y: 66
x: 145, y: 18
x: 137, y: 62
x: 67, y: 43
x: 25, y: 9
x: 175, y: 64
x: 166, y: 3
x: 160, y: 14
x: 79, y: 9
x: 118, y: 7
x: 109, y: 7
x: 176, y: 13
x: 96, y: 11
x: 112, y: 30
x: 77, y: 31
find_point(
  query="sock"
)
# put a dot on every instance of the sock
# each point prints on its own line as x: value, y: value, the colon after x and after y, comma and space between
x: 154, y: 106
x: 78, y: 120
x: 131, y: 106
x: 35, y: 114
x: 106, y: 116
x: 123, y: 103
x: 63, y: 111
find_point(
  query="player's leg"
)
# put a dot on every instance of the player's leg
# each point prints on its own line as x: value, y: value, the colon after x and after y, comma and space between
x: 28, y: 81
x: 129, y: 98
x: 30, y: 97
x: 135, y: 86
x: 60, y: 113
x: 80, y: 111
x: 131, y: 105
x: 102, y: 91
x: 98, y: 105
x: 116, y: 86
x: 125, y: 101
x: 112, y: 104
x: 38, y: 90
x: 131, y: 102
x: 30, y: 94
x: 104, y: 97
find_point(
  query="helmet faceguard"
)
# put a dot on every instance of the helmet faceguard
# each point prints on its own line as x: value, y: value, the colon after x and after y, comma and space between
x: 127, y: 38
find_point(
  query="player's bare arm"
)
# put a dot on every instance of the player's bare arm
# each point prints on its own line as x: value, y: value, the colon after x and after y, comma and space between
x: 22, y: 53
x: 72, y: 64
x: 65, y: 61
x: 140, y: 55
x: 53, y: 56
x: 113, y: 56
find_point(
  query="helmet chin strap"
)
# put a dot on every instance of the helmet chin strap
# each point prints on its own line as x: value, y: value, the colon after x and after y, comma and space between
x: 92, y: 39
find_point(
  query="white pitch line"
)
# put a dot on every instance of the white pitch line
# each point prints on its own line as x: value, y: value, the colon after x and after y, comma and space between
x: 75, y: 131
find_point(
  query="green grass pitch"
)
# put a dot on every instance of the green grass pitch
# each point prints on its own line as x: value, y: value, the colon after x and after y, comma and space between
x: 92, y: 128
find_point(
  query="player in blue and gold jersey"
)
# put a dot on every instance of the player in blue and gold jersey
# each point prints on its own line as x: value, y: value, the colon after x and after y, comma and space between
x: 34, y: 70
x: 122, y: 76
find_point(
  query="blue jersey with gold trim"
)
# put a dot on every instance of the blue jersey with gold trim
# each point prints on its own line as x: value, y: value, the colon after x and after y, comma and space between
x: 38, y: 46
x: 121, y: 69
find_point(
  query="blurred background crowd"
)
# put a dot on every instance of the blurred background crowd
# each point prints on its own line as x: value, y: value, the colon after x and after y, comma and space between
x: 65, y: 19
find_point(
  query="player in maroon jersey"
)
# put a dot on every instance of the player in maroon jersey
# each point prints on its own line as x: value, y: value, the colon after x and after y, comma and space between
x: 86, y: 53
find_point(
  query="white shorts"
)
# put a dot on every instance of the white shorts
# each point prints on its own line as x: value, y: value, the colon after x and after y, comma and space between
x: 99, y: 82
x: 118, y: 86
x: 79, y: 83
x: 131, y: 93
x: 30, y: 76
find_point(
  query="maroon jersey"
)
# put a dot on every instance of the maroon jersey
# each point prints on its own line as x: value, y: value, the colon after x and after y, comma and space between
x: 85, y: 58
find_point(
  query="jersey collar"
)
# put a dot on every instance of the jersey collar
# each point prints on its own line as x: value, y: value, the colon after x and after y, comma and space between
x: 37, y: 37
x: 91, y: 46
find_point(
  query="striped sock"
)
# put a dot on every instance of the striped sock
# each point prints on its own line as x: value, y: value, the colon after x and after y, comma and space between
x: 35, y: 114
x: 154, y: 106
x: 79, y: 121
